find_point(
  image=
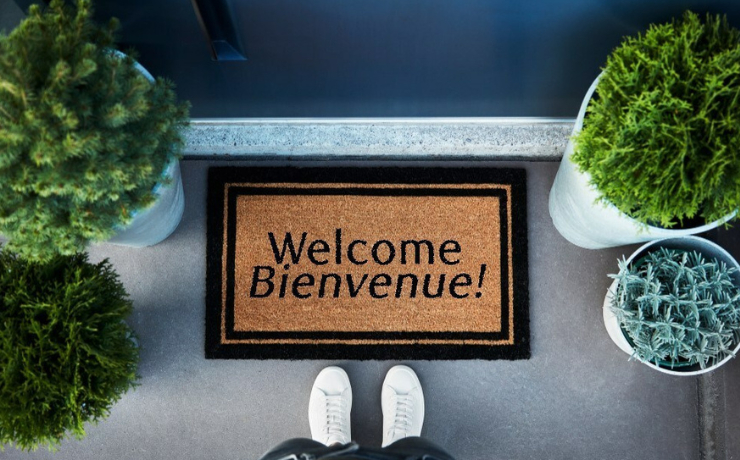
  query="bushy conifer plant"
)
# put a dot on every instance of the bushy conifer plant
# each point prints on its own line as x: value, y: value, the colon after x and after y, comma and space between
x: 678, y: 308
x: 66, y: 355
x: 84, y: 136
x: 661, y: 136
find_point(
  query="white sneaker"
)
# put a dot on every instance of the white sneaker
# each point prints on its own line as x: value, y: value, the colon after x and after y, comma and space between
x: 403, y: 405
x: 329, y: 407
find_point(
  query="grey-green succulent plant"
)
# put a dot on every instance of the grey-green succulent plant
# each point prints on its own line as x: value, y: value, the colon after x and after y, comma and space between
x: 678, y: 308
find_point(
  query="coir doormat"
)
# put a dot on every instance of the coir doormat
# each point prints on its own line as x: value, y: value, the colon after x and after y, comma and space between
x: 367, y: 263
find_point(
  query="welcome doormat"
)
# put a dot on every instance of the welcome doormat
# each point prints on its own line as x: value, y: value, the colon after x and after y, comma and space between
x: 367, y: 263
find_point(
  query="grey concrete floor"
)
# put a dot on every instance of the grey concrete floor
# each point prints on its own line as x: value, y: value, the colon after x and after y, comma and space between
x: 578, y: 397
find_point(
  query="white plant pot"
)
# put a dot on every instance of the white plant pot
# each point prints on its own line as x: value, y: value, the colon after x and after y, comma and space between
x: 583, y: 220
x: 155, y: 223
x: 707, y: 248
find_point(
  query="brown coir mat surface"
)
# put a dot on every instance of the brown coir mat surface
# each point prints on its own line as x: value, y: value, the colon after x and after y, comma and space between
x: 367, y: 263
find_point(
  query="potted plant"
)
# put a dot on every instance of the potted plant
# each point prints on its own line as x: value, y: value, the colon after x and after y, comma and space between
x: 66, y: 355
x: 675, y: 306
x: 654, y: 151
x: 89, y: 147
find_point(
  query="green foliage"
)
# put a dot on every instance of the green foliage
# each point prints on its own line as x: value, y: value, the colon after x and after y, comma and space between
x: 677, y: 307
x: 661, y: 137
x: 65, y: 353
x: 84, y: 136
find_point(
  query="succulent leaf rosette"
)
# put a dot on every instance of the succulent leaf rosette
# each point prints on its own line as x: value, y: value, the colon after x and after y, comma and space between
x: 677, y: 308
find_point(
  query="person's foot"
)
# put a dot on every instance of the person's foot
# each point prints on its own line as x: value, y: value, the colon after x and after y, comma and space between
x: 329, y: 407
x: 403, y: 405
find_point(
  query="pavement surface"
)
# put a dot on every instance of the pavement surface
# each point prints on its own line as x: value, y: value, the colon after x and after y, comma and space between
x: 578, y: 397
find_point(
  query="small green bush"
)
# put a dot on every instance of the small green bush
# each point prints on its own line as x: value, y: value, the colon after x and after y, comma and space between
x: 661, y: 137
x: 65, y: 353
x: 678, y: 308
x: 84, y: 136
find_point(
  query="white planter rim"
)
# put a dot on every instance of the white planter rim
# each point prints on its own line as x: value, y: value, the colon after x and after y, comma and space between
x: 152, y: 224
x: 170, y: 165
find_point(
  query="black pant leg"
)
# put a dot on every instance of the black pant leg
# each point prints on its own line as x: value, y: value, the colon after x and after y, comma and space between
x: 418, y: 448
x: 293, y: 448
x: 415, y: 448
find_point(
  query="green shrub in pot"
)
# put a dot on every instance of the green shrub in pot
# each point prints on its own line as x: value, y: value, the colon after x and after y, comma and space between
x: 66, y: 355
x: 661, y: 136
x: 84, y: 136
x: 678, y: 308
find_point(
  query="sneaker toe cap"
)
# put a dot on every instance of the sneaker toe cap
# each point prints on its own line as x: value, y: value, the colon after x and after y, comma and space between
x: 333, y: 381
x: 402, y: 380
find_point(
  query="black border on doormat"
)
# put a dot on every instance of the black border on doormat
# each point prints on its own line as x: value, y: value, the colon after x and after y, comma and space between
x: 218, y: 176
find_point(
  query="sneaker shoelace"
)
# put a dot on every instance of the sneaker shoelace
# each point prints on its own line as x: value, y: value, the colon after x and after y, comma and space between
x: 334, y: 416
x: 402, y: 421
